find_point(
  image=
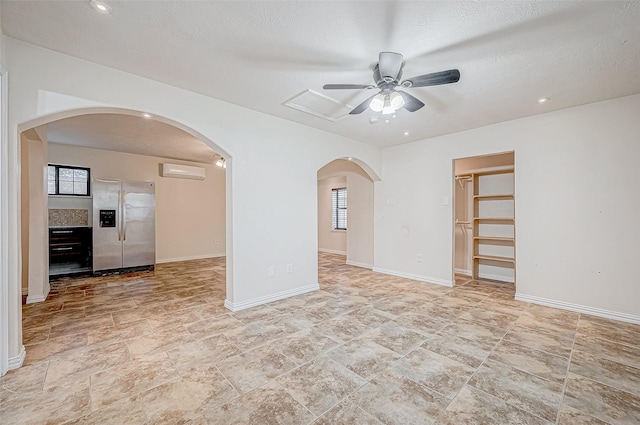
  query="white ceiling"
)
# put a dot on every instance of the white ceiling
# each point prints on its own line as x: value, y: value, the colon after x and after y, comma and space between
x: 131, y: 134
x: 259, y: 54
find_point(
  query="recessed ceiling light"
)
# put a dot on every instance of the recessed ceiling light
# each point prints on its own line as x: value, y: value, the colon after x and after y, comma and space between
x: 406, y: 133
x: 350, y: 159
x: 100, y: 6
x: 387, y: 121
x: 543, y: 100
x: 147, y: 115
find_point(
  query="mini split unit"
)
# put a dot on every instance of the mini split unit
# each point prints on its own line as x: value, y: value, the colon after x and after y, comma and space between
x: 177, y: 171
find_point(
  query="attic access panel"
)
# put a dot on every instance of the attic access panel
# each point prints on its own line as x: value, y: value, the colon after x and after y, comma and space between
x: 318, y: 104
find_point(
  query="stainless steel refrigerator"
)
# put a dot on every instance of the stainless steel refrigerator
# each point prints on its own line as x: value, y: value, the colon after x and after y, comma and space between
x: 124, y: 225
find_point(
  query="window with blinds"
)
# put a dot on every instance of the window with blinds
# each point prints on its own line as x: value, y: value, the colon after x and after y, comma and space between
x: 339, y: 208
x: 66, y: 180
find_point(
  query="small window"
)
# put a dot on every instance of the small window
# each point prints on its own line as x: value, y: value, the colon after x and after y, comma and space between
x: 339, y: 208
x: 66, y: 180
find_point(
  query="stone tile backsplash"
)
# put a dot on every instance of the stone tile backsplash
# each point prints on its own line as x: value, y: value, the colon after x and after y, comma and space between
x: 68, y: 217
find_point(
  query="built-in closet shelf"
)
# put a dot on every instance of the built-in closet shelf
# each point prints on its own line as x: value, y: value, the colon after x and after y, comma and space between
x: 493, y: 197
x: 504, y: 220
x: 494, y: 258
x: 496, y: 239
x: 493, y: 238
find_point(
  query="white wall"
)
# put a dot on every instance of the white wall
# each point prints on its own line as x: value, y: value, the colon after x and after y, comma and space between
x: 577, y: 242
x: 37, y: 216
x: 265, y: 226
x: 330, y: 240
x: 360, y: 220
x: 190, y: 214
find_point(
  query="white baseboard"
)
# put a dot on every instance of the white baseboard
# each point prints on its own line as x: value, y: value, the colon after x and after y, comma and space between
x: 623, y: 317
x: 192, y: 257
x: 270, y: 298
x: 495, y: 277
x: 332, y: 251
x: 421, y: 278
x: 16, y: 362
x: 357, y: 264
x: 38, y: 298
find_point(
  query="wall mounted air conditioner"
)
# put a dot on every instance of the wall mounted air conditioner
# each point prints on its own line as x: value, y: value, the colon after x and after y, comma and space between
x: 182, y: 172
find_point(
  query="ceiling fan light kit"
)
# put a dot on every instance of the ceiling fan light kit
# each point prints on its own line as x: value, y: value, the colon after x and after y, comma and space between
x: 387, y: 75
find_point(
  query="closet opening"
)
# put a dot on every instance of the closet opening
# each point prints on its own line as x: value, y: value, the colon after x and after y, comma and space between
x: 484, y: 220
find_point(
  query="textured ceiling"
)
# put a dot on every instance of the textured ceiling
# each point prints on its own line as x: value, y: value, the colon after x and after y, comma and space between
x: 259, y: 54
x: 131, y: 134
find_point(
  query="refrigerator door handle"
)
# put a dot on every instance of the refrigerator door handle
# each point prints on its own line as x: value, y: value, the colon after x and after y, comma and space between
x: 120, y: 215
x: 124, y: 215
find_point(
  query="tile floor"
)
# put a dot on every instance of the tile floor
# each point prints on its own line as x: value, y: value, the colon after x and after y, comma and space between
x: 160, y: 348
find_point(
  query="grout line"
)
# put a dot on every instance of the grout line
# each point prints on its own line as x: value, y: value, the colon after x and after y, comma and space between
x: 566, y: 379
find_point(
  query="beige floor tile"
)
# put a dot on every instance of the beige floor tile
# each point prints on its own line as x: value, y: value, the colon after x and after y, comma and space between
x: 607, y: 372
x: 347, y: 413
x: 125, y: 411
x: 77, y: 364
x: 305, y: 345
x: 321, y: 384
x: 571, y: 416
x: 535, y: 362
x: 363, y: 357
x: 437, y: 372
x: 54, y: 346
x: 396, y: 400
x: 396, y: 338
x: 16, y: 383
x: 600, y: 401
x: 186, y: 398
x: 473, y: 330
x: 131, y: 378
x: 475, y: 407
x: 621, y: 335
x: 267, y: 405
x: 255, y: 368
x: 606, y: 349
x: 149, y: 347
x: 421, y: 323
x: 520, y: 389
x: 50, y: 406
x: 540, y: 340
x: 342, y: 328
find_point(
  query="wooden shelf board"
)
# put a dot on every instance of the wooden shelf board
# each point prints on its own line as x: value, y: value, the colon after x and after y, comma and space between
x: 494, y: 258
x: 496, y: 197
x: 493, y: 238
x: 500, y: 219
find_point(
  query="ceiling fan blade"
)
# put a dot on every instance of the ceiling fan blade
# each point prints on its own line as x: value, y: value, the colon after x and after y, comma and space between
x: 411, y: 104
x: 389, y: 64
x: 434, y: 79
x: 346, y: 86
x: 363, y: 106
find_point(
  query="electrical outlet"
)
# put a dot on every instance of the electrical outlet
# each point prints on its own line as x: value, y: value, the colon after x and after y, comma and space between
x: 271, y: 271
x: 289, y: 268
x: 419, y: 258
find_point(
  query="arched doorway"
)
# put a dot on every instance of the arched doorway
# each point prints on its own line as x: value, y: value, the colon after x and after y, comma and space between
x: 346, y: 227
x: 26, y: 130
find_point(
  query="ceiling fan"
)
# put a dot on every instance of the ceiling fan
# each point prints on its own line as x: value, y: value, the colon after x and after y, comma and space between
x: 386, y: 75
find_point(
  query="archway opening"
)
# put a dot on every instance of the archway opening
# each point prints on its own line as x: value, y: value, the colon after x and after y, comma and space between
x: 345, y: 212
x: 190, y: 222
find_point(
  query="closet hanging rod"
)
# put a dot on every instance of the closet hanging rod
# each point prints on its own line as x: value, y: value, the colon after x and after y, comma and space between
x: 464, y: 177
